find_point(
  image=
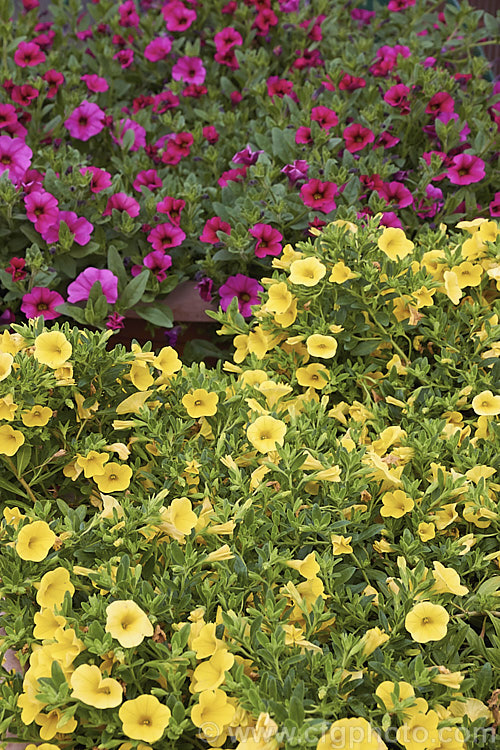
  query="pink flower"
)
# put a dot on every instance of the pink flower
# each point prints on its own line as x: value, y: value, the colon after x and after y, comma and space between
x: 396, y: 96
x: 397, y: 5
x: 303, y: 135
x: 386, y: 139
x: 158, y: 48
x: 85, y: 121
x: 125, y: 57
x: 357, y: 137
x: 204, y: 288
x: 296, y: 171
x: 212, y: 226
x: 122, y: 202
x: 228, y: 58
x: 172, y: 207
x: 439, y: 103
x: 351, y: 83
x: 41, y: 301
x: 389, y: 219
x: 227, y: 39
x: 279, y: 87
x: 7, y: 115
x: 264, y: 19
x: 189, y: 69
x: 466, y: 169
x: 100, y: 179
x: 15, y: 156
x: 41, y: 209
x: 363, y: 17
x: 325, y: 117
x: 232, y: 175
x: 147, y: 178
x: 158, y: 262
x: 164, y: 101
x: 128, y: 14
x: 115, y: 321
x: 211, y: 134
x: 55, y: 80
x: 268, y: 240
x: 319, y: 195
x: 166, y: 235
x: 28, y: 54
x: 80, y: 227
x: 395, y: 193
x: 177, y: 16
x: 16, y: 269
x: 246, y: 156
x: 80, y: 288
x: 95, y: 83
x: 138, y: 131
x: 433, y: 202
x: 495, y: 205
x: 245, y: 289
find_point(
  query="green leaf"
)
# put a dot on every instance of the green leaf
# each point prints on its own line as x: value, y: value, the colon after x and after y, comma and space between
x: 134, y: 290
x: 115, y: 265
x: 284, y: 146
x: 72, y: 311
x: 158, y: 316
x: 23, y: 458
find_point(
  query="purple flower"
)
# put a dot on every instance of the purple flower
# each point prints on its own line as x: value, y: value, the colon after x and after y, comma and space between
x: 85, y: 121
x: 158, y: 48
x: 158, y: 262
x: 172, y: 335
x: 166, y: 235
x: 189, y: 70
x: 138, y: 131
x: 115, y: 321
x: 80, y: 288
x: 268, y: 240
x: 41, y: 301
x: 122, y: 202
x: 246, y: 156
x: 245, y: 289
x: 296, y: 171
x: 204, y: 288
x: 7, y: 317
x: 80, y: 227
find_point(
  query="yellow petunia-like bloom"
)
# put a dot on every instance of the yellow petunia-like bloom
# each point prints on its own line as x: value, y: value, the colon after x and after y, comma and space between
x: 468, y: 274
x: 52, y: 588
x: 447, y: 581
x: 34, y: 541
x: 8, y: 407
x: 420, y: 733
x: 314, y: 375
x: 37, y: 416
x: 127, y: 623
x: 144, y: 718
x: 452, y: 287
x: 485, y: 404
x: 90, y: 687
x: 200, y: 403
x: 114, y: 478
x: 265, y: 433
x: 321, y: 346
x: 43, y: 746
x: 52, y: 349
x: 372, y: 639
x: 10, y: 440
x: 427, y: 622
x: 49, y: 724
x: 341, y: 544
x: 308, y: 567
x: 341, y: 273
x: 179, y: 518
x: 92, y: 464
x: 351, y: 734
x: 167, y: 360
x: 47, y: 624
x: 279, y: 298
x: 210, y: 674
x: 6, y: 361
x: 387, y: 690
x: 426, y: 531
x: 307, y: 271
x: 206, y: 642
x: 212, y: 713
x: 11, y: 343
x: 396, y: 504
x: 394, y: 243
x: 140, y: 375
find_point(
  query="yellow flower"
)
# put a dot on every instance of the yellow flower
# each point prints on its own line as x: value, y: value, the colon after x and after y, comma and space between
x: 206, y: 643
x: 218, y: 555
x: 90, y: 687
x: 287, y: 257
x: 279, y: 298
x: 308, y: 567
x: 64, y: 374
x: 167, y: 360
x: 46, y: 624
x: 92, y: 464
x: 132, y: 405
x: 6, y: 361
x: 10, y: 440
x: 386, y: 691
x: 307, y: 271
x: 394, y: 243
x: 43, y: 746
x: 420, y: 733
x: 395, y: 504
x: 351, y: 734
x: 52, y: 349
x: 314, y: 375
x: 341, y: 544
x: 144, y: 718
x: 49, y: 724
x: 265, y: 433
x: 179, y: 518
x: 426, y: 531
x: 11, y: 343
x: 13, y: 516
x: 424, y: 297
x: 485, y: 404
x: 37, y: 416
x: 447, y: 581
x: 7, y: 407
x: 341, y: 273
x: 427, y: 622
x: 321, y: 346
x: 52, y: 588
x: 200, y: 403
x: 287, y: 318
x: 34, y: 541
x: 467, y: 274
x: 140, y: 375
x: 211, y: 673
x: 114, y: 478
x: 128, y: 624
x: 451, y: 287
x: 212, y: 713
x: 372, y: 639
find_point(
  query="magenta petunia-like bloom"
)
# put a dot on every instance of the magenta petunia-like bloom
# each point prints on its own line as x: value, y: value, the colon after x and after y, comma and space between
x: 389, y: 219
x: 439, y: 103
x: 100, y: 179
x: 268, y: 240
x: 16, y: 269
x: 15, y: 156
x: 212, y: 226
x: 41, y: 209
x: 28, y: 54
x: 115, y: 321
x: 166, y: 235
x: 325, y: 117
x: 281, y: 87
x: 245, y: 289
x: 157, y: 261
x: 232, y: 175
x: 128, y: 14
x: 397, y: 5
x: 386, y: 139
x: 177, y: 16
x: 466, y: 169
x: 303, y: 135
x: 395, y: 193
x: 204, y: 288
x: 172, y: 207
x: 357, y: 137
x: 397, y: 96
x: 189, y: 70
x: 296, y: 171
x: 122, y: 202
x: 55, y: 80
x: 158, y: 48
x: 125, y: 57
x: 210, y: 133
x: 246, y: 156
x: 495, y: 205
x: 147, y: 178
x: 95, y: 83
x: 319, y: 195
x: 138, y: 131
x: 351, y: 83
x: 79, y: 289
x: 80, y: 227
x: 85, y: 121
x: 41, y: 301
x: 227, y: 39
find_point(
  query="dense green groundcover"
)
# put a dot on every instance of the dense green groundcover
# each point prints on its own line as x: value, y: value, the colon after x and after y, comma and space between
x: 296, y: 549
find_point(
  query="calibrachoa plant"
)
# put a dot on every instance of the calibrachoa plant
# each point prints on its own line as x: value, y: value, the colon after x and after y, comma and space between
x: 296, y: 549
x: 163, y: 141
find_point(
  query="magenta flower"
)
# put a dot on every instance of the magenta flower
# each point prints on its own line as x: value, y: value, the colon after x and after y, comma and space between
x: 351, y: 83
x: 389, y: 219
x: 433, y: 202
x: 319, y: 195
x: 189, y: 70
x: 397, y: 96
x: 211, y: 134
x: 268, y: 240
x: 80, y: 227
x: 85, y: 121
x: 325, y: 117
x: 395, y: 193
x: 138, y: 131
x: 397, y: 5
x: 128, y: 14
x: 15, y: 156
x: 115, y: 321
x: 204, y: 288
x: 495, y: 205
x: 296, y: 171
x: 24, y: 94
x: 100, y: 179
x: 357, y: 137
x: 246, y: 156
x: 439, y: 103
x: 79, y: 289
x: 158, y: 262
x: 245, y: 289
x: 28, y: 54
x: 362, y: 16
x: 55, y: 80
x: 41, y: 301
x: 232, y: 175
x: 122, y: 202
x: 280, y: 87
x: 125, y: 57
x: 177, y: 16
x: 227, y: 39
x: 41, y: 209
x: 95, y: 83
x: 16, y: 269
x: 158, y: 48
x: 7, y: 115
x: 466, y: 169
x: 303, y: 135
x: 172, y: 207
x: 147, y: 178
x: 386, y: 139
x: 166, y: 235
x: 212, y: 226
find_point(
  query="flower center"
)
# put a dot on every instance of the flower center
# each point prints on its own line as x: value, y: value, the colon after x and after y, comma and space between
x: 42, y: 306
x: 6, y: 159
x: 244, y: 297
x: 113, y: 477
x: 425, y: 620
x: 197, y: 402
x: 317, y: 196
x: 145, y: 722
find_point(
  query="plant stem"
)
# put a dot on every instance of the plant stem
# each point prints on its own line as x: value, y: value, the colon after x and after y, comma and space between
x: 20, y: 479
